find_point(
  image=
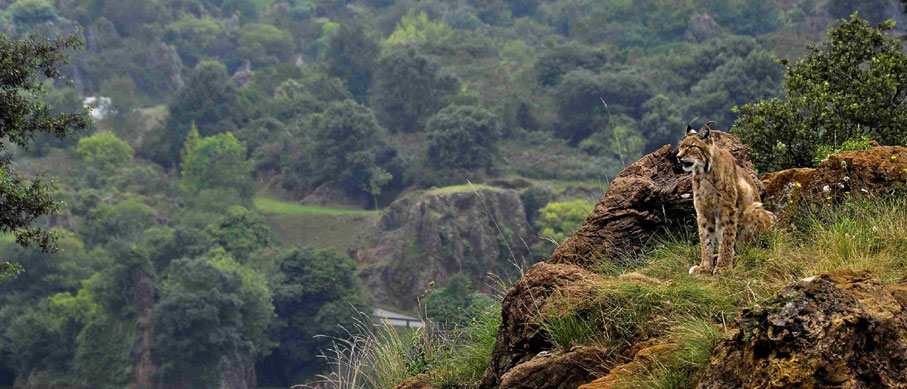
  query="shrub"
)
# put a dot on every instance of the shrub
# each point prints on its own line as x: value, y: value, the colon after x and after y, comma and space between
x: 854, y: 86
x: 559, y: 220
x: 104, y: 151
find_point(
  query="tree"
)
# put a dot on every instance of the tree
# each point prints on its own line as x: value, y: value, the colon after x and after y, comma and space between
x: 206, y: 313
x: 660, y: 123
x: 579, y: 108
x: 30, y: 12
x: 855, y: 85
x: 560, y: 60
x: 351, y: 56
x: 738, y: 81
x: 216, y: 162
x: 559, y: 220
x: 316, y: 292
x: 456, y: 304
x: 125, y: 221
x: 104, y: 152
x: 22, y: 118
x: 241, y: 232
x: 463, y: 137
x: 195, y: 38
x: 409, y: 88
x: 348, y: 150
x: 871, y: 10
x: 209, y: 100
x: 264, y: 44
x: 418, y: 29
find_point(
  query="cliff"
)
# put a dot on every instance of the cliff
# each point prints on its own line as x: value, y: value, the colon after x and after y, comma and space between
x: 431, y: 235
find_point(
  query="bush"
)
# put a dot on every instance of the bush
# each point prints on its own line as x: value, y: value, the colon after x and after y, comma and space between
x: 409, y: 88
x: 560, y: 220
x: 463, y: 137
x: 104, y: 152
x: 852, y: 87
x: 216, y: 162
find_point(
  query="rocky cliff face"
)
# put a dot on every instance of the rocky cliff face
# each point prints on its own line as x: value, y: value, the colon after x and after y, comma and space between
x: 429, y: 236
x: 841, y: 329
x: 645, y: 197
x: 838, y: 329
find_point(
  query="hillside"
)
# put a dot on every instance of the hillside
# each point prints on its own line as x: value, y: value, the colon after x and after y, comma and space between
x: 218, y: 193
x: 803, y: 306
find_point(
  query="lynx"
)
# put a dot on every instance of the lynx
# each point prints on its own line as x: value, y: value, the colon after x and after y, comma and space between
x: 728, y: 208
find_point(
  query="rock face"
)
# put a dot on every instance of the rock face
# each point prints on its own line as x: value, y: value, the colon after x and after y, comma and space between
x: 520, y: 337
x: 841, y: 329
x: 566, y: 370
x: 644, y: 197
x: 645, y: 360
x: 701, y: 28
x: 430, y: 236
x: 868, y: 171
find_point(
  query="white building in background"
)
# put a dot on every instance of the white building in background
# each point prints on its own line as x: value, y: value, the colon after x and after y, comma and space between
x: 100, y: 106
x: 383, y: 316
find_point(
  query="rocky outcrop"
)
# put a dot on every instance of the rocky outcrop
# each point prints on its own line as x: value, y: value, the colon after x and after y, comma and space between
x: 646, y: 196
x: 840, y: 329
x: 143, y: 366
x: 854, y: 172
x: 430, y: 236
x: 701, y: 28
x: 644, y: 361
x: 566, y: 370
x: 520, y: 337
x: 237, y: 371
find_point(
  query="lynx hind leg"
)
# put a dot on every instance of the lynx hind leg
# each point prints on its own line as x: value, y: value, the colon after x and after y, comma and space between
x: 758, y: 218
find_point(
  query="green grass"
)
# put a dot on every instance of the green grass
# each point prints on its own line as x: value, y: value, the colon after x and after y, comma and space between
x: 299, y: 225
x: 278, y: 207
x: 651, y: 295
x: 462, y: 188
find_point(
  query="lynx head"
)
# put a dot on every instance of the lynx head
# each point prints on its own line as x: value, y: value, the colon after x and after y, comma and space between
x: 694, y: 152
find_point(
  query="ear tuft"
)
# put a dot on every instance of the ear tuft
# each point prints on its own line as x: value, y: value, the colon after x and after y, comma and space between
x: 690, y: 130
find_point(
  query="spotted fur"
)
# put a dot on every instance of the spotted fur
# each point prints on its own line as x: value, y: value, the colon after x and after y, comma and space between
x: 728, y: 210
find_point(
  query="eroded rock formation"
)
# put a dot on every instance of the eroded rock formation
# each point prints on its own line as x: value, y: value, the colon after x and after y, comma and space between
x: 841, y: 329
x: 430, y: 236
x: 644, y: 197
x: 854, y: 172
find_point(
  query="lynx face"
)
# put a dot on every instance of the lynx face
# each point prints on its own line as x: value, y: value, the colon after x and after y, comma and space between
x: 694, y: 151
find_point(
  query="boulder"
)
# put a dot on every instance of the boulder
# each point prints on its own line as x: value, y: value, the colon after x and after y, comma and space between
x: 840, y: 329
x: 853, y: 172
x: 566, y: 370
x: 520, y: 337
x: 645, y: 197
x: 419, y: 381
x: 432, y: 235
x: 644, y: 361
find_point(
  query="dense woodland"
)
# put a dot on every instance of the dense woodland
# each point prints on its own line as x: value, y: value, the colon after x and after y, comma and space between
x: 218, y: 107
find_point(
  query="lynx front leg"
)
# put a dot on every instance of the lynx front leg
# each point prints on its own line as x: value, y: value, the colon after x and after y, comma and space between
x: 706, y: 237
x: 727, y: 235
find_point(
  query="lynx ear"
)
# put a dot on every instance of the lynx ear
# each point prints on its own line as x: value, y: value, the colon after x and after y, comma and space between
x: 690, y: 130
x: 705, y: 131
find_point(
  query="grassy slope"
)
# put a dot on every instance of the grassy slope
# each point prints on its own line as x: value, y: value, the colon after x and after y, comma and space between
x: 651, y: 295
x: 857, y: 234
x: 296, y: 224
